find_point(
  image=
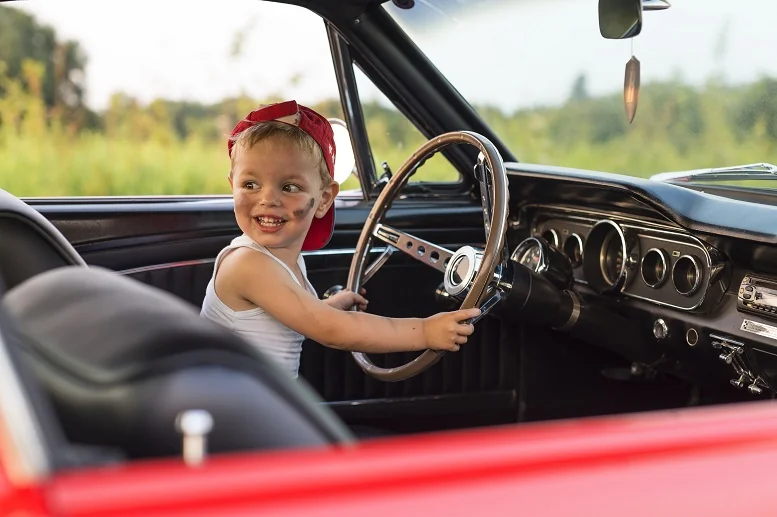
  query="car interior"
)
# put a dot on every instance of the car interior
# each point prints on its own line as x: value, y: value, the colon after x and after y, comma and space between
x: 606, y: 294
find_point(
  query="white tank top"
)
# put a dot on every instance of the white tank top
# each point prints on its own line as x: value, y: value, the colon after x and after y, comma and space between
x: 255, y: 325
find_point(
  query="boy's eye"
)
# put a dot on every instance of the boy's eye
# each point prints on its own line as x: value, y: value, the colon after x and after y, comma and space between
x: 250, y: 185
x: 290, y: 187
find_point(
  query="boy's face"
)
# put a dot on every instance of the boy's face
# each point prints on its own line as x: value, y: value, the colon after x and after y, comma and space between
x: 277, y: 192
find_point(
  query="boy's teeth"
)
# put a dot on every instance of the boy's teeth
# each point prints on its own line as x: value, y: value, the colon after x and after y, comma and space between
x: 269, y: 220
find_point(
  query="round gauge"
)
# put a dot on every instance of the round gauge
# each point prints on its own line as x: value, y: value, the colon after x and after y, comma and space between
x: 551, y: 236
x: 606, y: 252
x: 654, y: 267
x: 611, y: 258
x: 687, y: 275
x: 538, y: 255
x: 573, y: 249
x: 531, y: 257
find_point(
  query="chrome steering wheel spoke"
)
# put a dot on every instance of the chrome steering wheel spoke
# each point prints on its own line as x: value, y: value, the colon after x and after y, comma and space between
x: 497, y: 296
x: 424, y: 251
x: 373, y: 268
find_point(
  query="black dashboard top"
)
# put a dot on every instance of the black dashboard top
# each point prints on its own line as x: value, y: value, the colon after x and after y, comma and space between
x: 689, y: 208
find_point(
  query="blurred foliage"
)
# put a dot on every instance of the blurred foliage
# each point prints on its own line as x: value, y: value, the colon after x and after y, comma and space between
x: 61, y: 79
x: 677, y: 127
x: 51, y: 144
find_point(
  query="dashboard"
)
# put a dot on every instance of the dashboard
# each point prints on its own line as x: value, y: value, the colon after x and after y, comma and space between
x: 693, y: 284
x: 611, y: 253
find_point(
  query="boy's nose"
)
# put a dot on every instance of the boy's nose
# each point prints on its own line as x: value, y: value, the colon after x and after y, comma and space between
x: 269, y: 197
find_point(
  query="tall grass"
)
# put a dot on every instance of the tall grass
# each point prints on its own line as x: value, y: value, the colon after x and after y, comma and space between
x: 137, y: 152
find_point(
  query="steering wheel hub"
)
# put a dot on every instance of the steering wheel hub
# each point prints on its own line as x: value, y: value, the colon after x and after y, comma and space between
x: 461, y: 270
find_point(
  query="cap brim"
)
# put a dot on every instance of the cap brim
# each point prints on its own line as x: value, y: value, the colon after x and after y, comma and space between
x: 320, y: 232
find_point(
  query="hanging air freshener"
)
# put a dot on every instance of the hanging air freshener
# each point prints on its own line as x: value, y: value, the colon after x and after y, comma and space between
x: 631, y: 87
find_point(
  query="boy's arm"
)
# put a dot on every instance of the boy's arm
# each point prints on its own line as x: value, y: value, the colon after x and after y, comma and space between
x: 265, y: 283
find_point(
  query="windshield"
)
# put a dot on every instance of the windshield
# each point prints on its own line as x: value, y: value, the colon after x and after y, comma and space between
x: 551, y: 87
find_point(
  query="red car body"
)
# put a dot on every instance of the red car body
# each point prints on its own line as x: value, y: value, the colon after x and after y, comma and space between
x: 712, y: 461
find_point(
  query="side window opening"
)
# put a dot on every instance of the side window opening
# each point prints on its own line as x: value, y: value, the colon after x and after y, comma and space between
x: 394, y: 138
x: 90, y: 112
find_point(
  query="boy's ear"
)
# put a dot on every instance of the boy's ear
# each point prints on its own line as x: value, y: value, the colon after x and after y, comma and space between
x: 327, y: 198
x: 229, y: 178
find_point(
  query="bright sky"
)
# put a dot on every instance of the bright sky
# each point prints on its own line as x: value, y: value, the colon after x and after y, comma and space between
x: 512, y: 53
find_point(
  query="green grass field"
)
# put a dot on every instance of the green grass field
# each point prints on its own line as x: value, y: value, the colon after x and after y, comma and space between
x: 137, y: 151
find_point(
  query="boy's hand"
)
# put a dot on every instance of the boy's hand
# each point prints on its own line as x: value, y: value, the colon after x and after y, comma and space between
x: 444, y: 331
x: 346, y: 299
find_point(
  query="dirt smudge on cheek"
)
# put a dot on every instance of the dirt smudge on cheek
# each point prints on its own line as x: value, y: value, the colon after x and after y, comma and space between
x: 301, y: 213
x: 240, y: 201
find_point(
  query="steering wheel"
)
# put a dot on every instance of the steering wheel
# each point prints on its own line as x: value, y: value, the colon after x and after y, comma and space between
x: 470, y: 275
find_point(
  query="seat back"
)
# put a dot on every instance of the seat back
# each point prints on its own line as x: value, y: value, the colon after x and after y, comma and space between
x: 30, y: 244
x: 121, y: 360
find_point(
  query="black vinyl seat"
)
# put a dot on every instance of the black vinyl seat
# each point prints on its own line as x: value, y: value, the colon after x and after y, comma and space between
x: 119, y: 361
x: 29, y: 243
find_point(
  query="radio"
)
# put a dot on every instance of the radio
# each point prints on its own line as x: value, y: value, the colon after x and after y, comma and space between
x: 758, y: 295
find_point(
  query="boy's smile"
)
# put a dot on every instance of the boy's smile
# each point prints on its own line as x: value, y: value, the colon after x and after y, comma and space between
x: 269, y: 224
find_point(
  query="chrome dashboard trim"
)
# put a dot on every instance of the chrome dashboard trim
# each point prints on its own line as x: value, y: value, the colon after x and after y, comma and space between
x: 556, y: 241
x: 580, y: 244
x: 525, y: 245
x: 710, y: 270
x: 662, y: 254
x: 713, y: 261
x: 699, y: 275
x: 604, y: 283
x: 595, y: 215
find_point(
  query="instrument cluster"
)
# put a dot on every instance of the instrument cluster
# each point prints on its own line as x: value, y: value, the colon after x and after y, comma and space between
x: 613, y: 254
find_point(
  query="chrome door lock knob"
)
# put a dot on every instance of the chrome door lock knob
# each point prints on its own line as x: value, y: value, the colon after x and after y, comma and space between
x: 194, y: 425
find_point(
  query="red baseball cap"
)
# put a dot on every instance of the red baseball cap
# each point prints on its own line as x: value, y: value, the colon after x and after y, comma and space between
x: 320, y: 130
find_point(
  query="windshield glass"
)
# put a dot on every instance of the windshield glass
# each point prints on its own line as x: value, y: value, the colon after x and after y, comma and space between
x: 551, y: 87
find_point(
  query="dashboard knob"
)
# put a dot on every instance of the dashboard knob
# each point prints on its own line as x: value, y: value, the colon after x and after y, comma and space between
x: 754, y: 389
x: 740, y: 382
x: 729, y: 357
x: 660, y: 329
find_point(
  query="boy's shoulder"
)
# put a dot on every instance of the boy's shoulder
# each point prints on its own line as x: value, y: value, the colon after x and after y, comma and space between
x: 237, y: 257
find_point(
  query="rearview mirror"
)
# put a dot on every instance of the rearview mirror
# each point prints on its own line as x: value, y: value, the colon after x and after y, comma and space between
x: 344, y: 158
x: 620, y: 19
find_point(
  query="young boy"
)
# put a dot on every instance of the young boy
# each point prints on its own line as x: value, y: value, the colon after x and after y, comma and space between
x: 282, y: 181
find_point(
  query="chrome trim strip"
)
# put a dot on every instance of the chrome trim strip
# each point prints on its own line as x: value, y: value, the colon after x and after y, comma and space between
x: 185, y: 263
x: 596, y: 215
x: 24, y: 457
x: 168, y: 265
x: 681, y: 239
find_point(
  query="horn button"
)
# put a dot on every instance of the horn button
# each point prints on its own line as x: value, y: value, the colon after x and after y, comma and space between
x: 461, y: 270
